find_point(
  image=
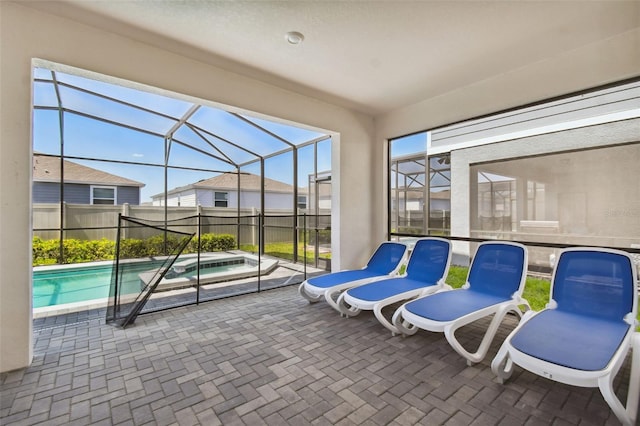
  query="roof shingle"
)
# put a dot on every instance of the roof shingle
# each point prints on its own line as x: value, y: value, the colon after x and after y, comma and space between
x: 47, y: 169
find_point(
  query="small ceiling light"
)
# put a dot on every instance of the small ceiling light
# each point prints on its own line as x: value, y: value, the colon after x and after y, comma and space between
x: 294, y: 37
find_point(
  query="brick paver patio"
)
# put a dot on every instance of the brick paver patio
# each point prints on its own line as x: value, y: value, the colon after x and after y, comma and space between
x: 271, y: 358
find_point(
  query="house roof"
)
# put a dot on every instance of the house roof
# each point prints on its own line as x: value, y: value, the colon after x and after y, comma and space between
x: 229, y: 182
x: 247, y: 180
x: 47, y: 169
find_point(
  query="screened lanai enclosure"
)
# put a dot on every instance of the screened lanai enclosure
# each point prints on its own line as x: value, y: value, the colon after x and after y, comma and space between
x: 128, y: 175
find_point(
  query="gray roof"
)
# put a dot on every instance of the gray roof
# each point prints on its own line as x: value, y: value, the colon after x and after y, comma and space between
x: 47, y: 169
x: 248, y: 181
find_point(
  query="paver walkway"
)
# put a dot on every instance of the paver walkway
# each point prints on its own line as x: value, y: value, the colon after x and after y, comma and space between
x: 271, y: 358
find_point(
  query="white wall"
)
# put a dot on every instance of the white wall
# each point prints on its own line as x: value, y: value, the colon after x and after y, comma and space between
x: 185, y: 198
x: 26, y: 33
x: 204, y: 197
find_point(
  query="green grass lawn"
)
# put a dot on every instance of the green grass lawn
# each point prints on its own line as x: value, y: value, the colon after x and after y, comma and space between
x: 536, y: 290
x: 284, y: 251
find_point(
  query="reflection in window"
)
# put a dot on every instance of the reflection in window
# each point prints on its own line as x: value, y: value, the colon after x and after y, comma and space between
x: 496, y: 194
x: 588, y: 197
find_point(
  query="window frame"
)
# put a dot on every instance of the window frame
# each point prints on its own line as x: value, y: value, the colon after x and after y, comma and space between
x: 302, y: 202
x: 217, y: 200
x: 92, y: 198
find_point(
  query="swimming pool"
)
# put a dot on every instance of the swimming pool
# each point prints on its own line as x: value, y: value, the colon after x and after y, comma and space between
x: 70, y: 284
x: 78, y: 283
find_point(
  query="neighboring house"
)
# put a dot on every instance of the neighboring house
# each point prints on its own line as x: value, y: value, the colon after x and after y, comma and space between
x: 222, y: 191
x: 82, y: 184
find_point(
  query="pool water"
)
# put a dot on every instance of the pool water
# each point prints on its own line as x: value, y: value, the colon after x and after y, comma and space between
x: 70, y: 285
x: 80, y: 284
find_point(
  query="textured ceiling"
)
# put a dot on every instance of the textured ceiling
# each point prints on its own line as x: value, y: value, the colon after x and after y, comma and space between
x: 374, y: 56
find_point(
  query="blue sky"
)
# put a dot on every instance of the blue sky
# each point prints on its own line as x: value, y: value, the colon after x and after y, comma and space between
x: 411, y: 144
x: 87, y: 137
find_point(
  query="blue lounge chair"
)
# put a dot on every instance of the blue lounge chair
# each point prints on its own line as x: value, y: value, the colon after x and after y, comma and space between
x: 494, y: 287
x: 584, y: 334
x: 426, y: 273
x: 385, y: 262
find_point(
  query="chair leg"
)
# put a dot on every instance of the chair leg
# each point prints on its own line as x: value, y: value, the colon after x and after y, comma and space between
x: 628, y: 415
x: 341, y: 306
x: 633, y: 397
x: 502, y: 364
x: 311, y: 298
x: 606, y: 389
x: 403, y: 326
x: 476, y: 357
x: 377, y: 311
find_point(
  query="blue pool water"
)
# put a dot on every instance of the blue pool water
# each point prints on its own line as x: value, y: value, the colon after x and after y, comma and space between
x: 69, y: 285
x: 57, y: 287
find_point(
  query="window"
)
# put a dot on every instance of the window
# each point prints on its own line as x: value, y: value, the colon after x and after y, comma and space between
x: 586, y: 197
x: 220, y: 199
x: 302, y: 201
x: 103, y: 195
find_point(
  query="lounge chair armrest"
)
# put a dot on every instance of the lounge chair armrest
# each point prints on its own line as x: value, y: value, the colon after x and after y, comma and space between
x: 446, y: 287
x: 631, y: 319
x: 519, y: 300
x: 527, y: 315
x: 442, y: 285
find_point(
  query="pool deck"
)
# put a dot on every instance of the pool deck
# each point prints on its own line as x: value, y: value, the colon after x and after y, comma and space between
x: 272, y: 358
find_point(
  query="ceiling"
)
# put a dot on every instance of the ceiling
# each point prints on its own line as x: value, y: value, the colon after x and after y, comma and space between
x: 372, y: 56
